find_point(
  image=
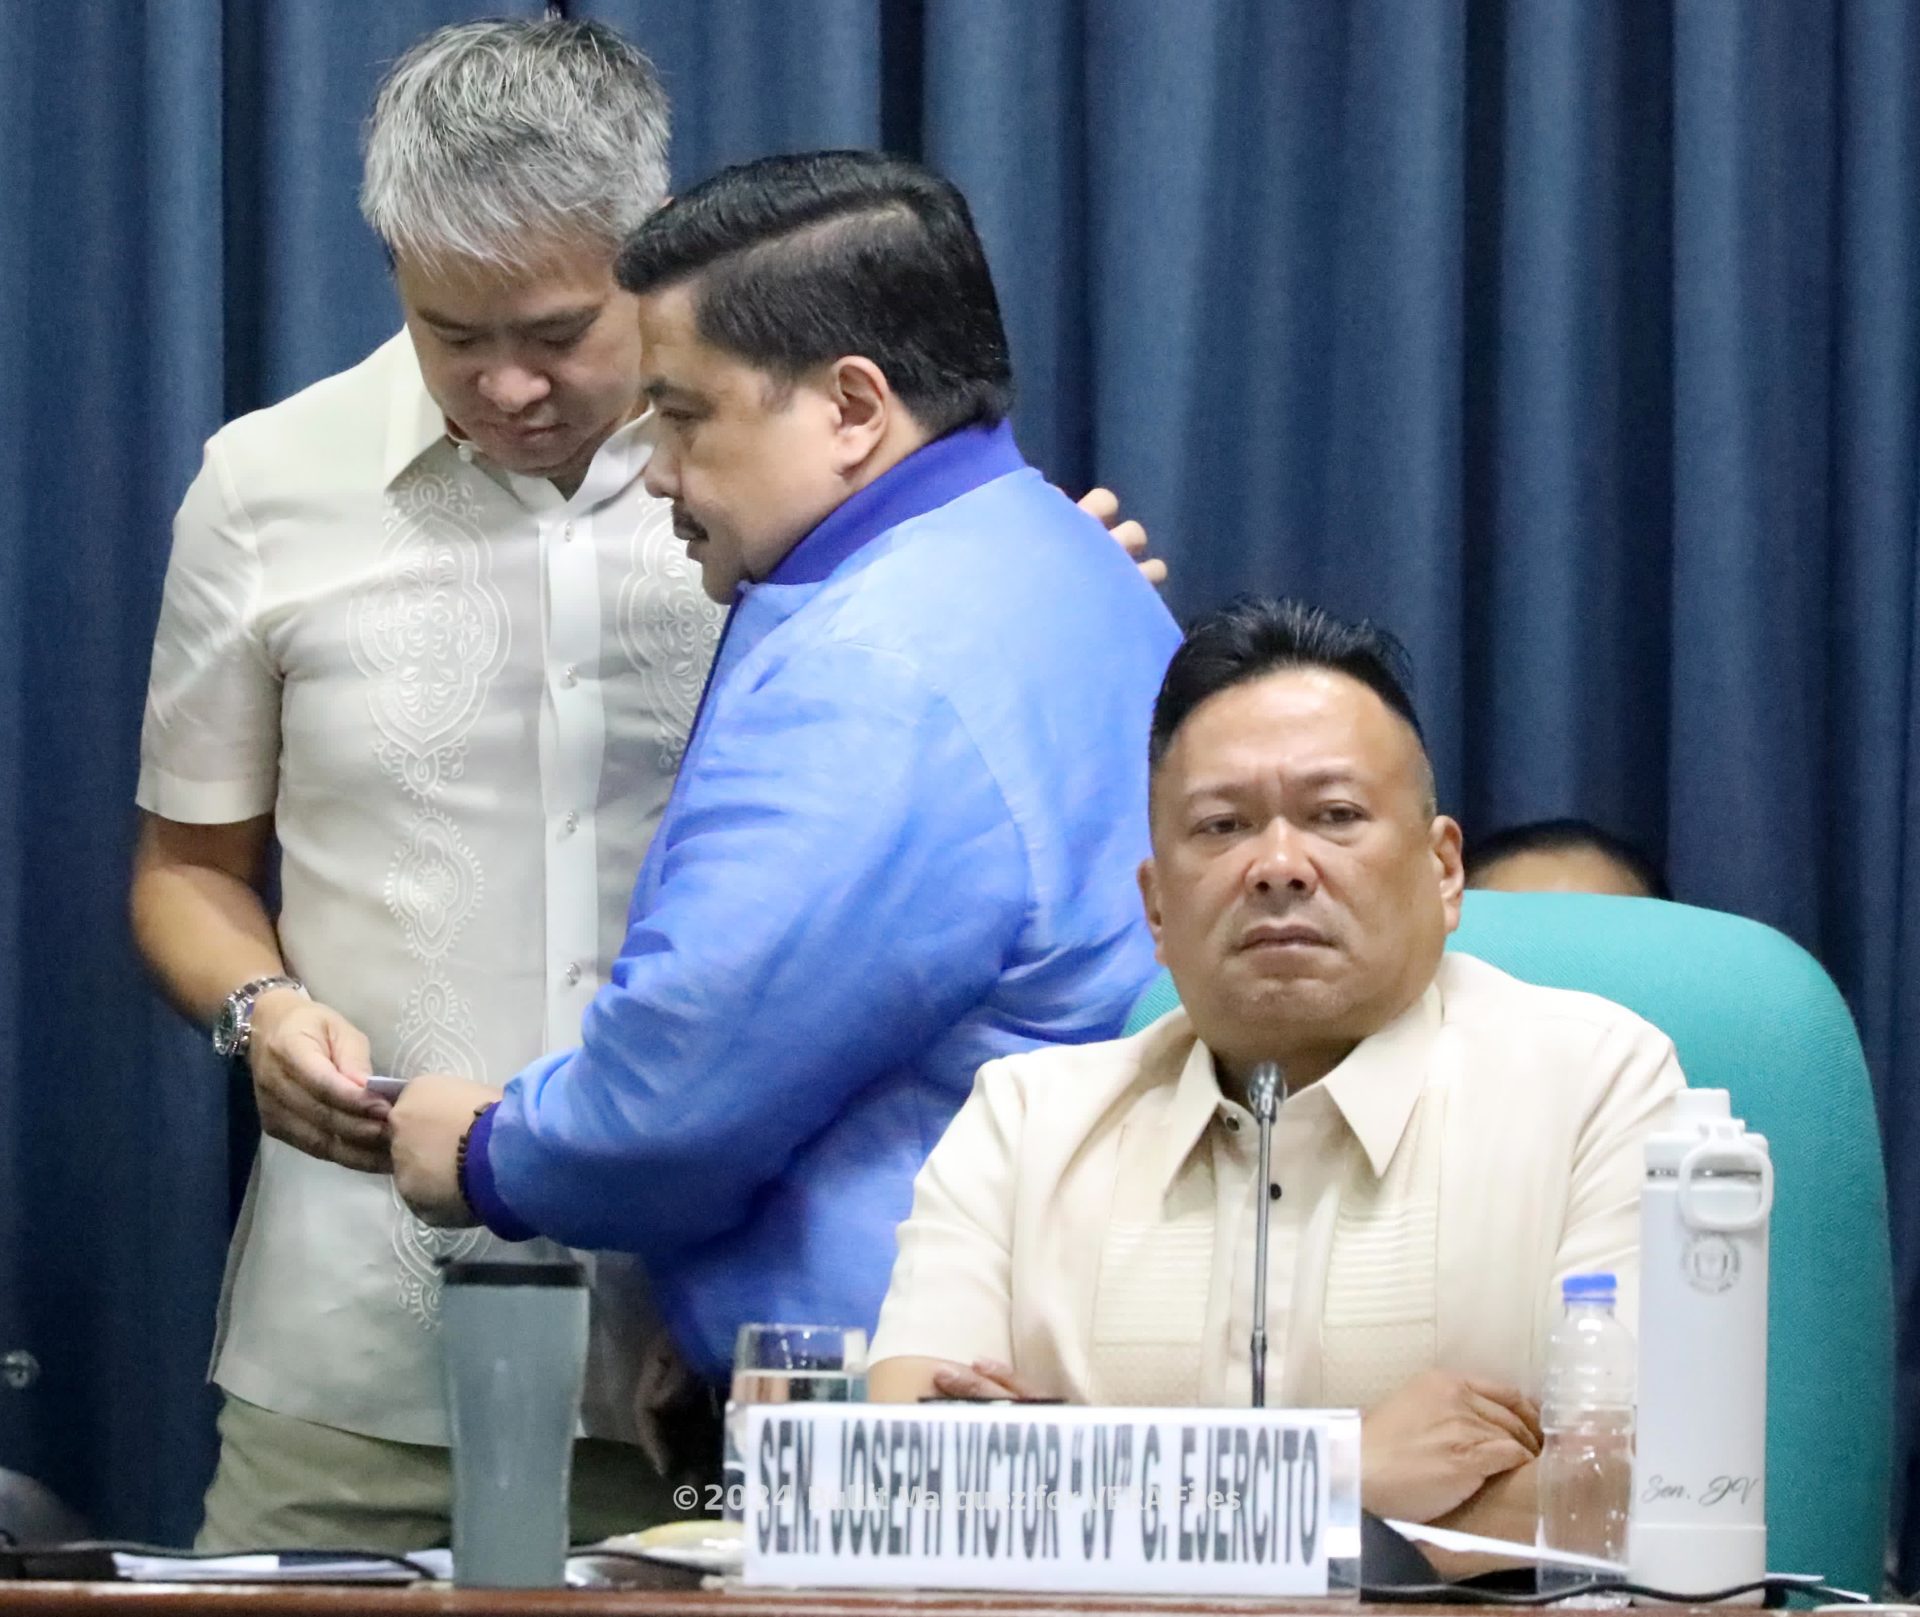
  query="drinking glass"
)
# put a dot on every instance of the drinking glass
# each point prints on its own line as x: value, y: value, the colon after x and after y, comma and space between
x: 787, y: 1364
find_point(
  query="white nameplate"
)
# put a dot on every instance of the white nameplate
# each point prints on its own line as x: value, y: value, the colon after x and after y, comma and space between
x: 1009, y: 1496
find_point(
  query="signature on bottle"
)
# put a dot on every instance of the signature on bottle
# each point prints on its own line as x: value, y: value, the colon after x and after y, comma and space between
x: 1738, y: 1490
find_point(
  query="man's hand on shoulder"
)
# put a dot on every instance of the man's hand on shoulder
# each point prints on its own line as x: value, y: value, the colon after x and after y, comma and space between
x: 309, y: 1066
x: 1103, y: 505
x: 429, y: 1118
x: 1430, y: 1446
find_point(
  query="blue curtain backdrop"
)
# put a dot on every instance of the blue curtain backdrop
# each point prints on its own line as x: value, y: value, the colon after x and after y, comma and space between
x: 1576, y: 341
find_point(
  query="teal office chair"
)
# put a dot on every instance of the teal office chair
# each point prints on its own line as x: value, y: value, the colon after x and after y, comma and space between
x: 1753, y: 1013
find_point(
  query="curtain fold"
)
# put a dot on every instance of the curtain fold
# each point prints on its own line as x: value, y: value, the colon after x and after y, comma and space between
x: 1579, y: 344
x: 109, y: 375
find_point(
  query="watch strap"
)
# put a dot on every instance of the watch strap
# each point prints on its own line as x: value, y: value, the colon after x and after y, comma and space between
x: 233, y: 1033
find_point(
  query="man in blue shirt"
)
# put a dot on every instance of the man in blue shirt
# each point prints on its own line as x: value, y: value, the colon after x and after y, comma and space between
x: 903, y: 838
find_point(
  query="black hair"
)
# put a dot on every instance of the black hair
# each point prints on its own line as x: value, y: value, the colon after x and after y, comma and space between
x: 1254, y: 636
x: 1557, y: 836
x: 802, y: 260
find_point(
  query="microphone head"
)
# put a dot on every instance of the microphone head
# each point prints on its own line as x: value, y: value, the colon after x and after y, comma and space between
x: 1263, y: 1090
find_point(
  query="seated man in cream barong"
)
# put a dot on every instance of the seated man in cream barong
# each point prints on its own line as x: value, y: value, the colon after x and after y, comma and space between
x: 1451, y: 1142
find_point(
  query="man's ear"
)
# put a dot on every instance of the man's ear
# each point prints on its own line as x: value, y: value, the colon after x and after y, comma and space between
x: 1445, y: 839
x: 1149, y: 879
x: 864, y: 406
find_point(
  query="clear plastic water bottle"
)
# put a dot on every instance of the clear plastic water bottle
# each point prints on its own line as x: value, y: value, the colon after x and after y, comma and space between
x: 1586, y: 1462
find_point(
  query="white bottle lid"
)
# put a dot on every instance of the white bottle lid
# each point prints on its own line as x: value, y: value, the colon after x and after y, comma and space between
x: 1701, y: 1107
x: 1699, y: 1116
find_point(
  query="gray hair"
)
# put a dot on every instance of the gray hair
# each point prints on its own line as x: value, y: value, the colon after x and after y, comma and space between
x: 495, y: 141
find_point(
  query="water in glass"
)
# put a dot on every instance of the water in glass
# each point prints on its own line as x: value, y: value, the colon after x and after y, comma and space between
x: 787, y: 1364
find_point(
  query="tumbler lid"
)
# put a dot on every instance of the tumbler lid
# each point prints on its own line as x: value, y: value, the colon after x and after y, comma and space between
x: 1697, y: 1116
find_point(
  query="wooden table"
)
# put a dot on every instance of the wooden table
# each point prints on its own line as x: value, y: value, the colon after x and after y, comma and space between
x: 435, y: 1600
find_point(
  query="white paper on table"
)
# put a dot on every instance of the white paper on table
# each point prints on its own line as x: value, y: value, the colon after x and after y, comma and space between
x: 259, y: 1569
x: 1447, y: 1538
x: 583, y: 1572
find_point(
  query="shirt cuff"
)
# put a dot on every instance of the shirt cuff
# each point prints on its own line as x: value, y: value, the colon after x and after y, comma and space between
x: 483, y: 1191
x: 203, y: 802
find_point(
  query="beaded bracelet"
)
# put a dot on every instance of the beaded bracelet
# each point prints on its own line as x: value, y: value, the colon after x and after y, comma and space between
x: 460, y: 1159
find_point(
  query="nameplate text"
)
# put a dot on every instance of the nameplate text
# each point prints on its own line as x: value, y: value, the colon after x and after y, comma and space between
x: 1009, y: 1496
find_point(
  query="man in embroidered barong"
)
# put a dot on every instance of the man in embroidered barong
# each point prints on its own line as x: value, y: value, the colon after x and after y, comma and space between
x: 1450, y: 1141
x: 426, y: 633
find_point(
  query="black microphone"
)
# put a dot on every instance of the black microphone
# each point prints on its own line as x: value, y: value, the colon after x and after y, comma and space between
x: 1263, y: 1094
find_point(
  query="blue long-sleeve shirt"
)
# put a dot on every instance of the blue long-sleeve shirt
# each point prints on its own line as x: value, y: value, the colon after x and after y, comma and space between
x: 902, y: 843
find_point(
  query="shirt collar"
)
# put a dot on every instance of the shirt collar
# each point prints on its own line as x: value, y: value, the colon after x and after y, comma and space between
x: 621, y: 457
x: 415, y: 424
x: 1374, y: 1089
x: 1378, y: 1084
x: 414, y: 421
x: 929, y: 478
x: 1196, y: 1101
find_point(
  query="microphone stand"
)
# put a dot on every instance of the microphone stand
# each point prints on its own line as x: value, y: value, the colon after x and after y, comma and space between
x: 1263, y: 1091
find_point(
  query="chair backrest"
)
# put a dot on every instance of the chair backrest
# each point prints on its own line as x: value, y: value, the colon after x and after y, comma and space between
x: 1753, y: 1013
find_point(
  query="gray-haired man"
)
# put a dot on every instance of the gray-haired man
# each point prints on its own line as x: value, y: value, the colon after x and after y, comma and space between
x: 424, y: 627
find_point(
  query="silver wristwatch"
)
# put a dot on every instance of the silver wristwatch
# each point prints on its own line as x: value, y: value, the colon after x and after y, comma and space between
x: 233, y: 1031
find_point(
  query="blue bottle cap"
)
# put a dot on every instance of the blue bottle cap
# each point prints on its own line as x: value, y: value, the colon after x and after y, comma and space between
x: 1598, y: 1288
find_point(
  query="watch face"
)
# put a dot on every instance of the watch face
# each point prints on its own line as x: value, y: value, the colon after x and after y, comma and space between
x: 226, y: 1031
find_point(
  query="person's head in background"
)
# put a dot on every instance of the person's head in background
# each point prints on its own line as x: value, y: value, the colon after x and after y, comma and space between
x: 1562, y: 856
x: 506, y: 162
x: 807, y: 322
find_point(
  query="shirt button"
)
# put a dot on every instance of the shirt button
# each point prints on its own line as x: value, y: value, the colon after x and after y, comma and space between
x: 1233, y: 1123
x: 572, y: 821
x: 1273, y: 1193
x: 566, y: 532
x: 572, y: 973
x: 570, y: 676
x: 465, y: 452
